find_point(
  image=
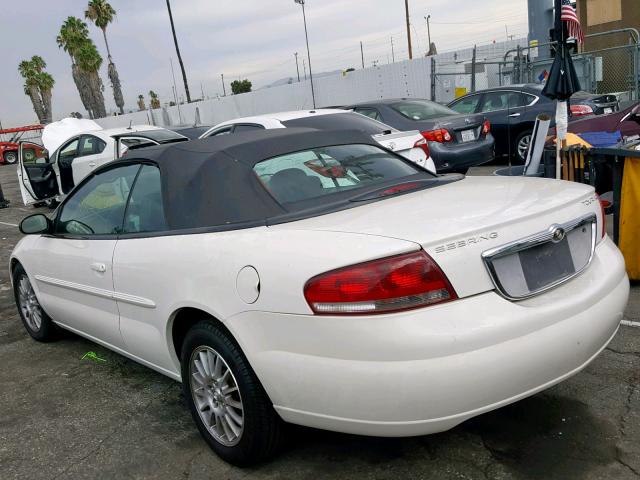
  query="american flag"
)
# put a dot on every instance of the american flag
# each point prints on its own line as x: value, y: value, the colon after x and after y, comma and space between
x: 568, y: 14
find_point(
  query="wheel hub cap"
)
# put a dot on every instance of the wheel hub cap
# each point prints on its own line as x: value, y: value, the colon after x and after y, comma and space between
x: 216, y: 396
x: 28, y: 303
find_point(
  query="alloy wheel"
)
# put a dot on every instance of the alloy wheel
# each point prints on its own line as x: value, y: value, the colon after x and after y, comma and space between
x: 29, y: 306
x: 215, y: 393
x: 10, y: 157
x: 523, y: 146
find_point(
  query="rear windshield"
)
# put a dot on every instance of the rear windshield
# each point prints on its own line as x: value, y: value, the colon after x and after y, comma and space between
x: 161, y: 136
x: 341, y: 121
x: 421, y: 110
x: 295, y: 178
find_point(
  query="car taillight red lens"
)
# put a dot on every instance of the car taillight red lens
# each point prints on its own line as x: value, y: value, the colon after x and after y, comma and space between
x: 441, y: 135
x: 486, y: 127
x: 581, y: 110
x: 387, y: 285
x: 422, y: 143
x: 603, y: 215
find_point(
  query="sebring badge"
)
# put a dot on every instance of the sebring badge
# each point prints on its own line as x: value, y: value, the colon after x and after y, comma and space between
x: 557, y: 234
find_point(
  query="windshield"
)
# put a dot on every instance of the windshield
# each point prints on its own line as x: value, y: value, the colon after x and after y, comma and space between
x: 421, y: 110
x: 320, y: 172
x: 341, y: 121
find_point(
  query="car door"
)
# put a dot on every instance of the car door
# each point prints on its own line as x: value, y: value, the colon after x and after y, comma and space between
x: 73, y: 265
x: 90, y: 156
x: 36, y: 177
x: 138, y: 282
x: 65, y: 159
x: 503, y: 109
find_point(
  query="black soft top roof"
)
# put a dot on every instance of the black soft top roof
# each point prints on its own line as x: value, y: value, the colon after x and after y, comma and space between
x: 211, y: 183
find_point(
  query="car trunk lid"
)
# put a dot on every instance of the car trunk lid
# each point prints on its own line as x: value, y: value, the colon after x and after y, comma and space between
x: 455, y: 223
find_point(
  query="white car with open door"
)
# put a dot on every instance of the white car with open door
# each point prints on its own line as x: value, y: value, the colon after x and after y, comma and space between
x: 78, y: 147
x: 410, y: 145
x: 296, y: 276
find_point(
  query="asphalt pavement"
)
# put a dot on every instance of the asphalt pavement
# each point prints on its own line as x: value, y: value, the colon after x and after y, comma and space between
x: 65, y: 414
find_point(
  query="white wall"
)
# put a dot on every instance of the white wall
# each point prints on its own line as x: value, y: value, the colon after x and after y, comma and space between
x: 410, y: 78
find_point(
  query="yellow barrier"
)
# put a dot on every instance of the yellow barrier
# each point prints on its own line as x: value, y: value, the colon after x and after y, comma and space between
x: 629, y: 241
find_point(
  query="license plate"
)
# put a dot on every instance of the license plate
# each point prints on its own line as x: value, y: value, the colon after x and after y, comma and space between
x: 468, y: 135
x: 545, y: 264
x: 608, y: 110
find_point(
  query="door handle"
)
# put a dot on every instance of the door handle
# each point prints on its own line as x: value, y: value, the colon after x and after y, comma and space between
x: 92, y: 164
x: 514, y: 115
x: 99, y: 267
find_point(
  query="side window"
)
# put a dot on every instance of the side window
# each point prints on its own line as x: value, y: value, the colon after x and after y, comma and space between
x: 528, y: 99
x: 247, y: 128
x: 70, y: 150
x: 221, y: 131
x: 494, y: 101
x: 369, y: 112
x: 145, y: 212
x: 97, y: 207
x: 467, y: 104
x: 90, y: 145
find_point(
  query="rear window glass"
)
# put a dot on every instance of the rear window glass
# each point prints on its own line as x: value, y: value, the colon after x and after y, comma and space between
x: 421, y: 110
x: 340, y: 121
x: 309, y: 174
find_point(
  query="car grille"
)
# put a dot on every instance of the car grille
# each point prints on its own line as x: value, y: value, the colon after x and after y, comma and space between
x: 532, y: 265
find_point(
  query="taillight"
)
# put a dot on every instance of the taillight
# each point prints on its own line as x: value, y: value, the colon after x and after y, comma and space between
x: 422, y: 143
x: 387, y: 285
x: 603, y: 205
x: 486, y: 127
x: 440, y: 135
x: 581, y: 110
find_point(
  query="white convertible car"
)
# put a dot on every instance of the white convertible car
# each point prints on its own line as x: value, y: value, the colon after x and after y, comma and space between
x: 74, y: 148
x: 316, y: 278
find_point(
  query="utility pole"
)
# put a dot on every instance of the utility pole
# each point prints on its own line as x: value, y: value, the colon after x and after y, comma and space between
x: 362, y: 54
x: 304, y: 67
x: 406, y: 7
x: 393, y: 55
x: 175, y: 91
x: 224, y: 89
x: 473, y: 70
x: 428, y: 35
x: 297, y: 67
x: 175, y: 41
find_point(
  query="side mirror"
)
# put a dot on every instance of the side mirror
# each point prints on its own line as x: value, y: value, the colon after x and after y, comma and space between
x: 35, y: 224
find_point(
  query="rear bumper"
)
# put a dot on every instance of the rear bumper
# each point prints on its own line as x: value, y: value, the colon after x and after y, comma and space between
x: 450, y: 158
x: 428, y: 370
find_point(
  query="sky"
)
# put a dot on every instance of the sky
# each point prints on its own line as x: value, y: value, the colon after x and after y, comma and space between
x: 254, y: 39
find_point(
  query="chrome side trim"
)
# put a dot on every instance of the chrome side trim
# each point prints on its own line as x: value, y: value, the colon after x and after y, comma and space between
x: 537, y: 239
x: 98, y: 292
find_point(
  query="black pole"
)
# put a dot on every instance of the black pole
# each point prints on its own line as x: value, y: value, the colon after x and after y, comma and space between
x: 224, y: 89
x: 362, y: 54
x: 297, y: 67
x: 306, y: 36
x: 175, y: 41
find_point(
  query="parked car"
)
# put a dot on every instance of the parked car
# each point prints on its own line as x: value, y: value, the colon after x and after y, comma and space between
x: 456, y: 141
x: 512, y: 111
x: 76, y: 153
x: 317, y: 278
x: 409, y: 144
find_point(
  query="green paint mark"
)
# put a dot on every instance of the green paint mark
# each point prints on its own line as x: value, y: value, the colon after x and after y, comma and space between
x: 93, y: 356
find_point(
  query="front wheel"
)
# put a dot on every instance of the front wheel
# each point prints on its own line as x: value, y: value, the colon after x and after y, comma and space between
x: 10, y: 157
x: 37, y: 323
x: 231, y: 409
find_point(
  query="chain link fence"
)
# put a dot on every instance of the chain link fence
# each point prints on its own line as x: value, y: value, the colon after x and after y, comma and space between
x: 608, y: 63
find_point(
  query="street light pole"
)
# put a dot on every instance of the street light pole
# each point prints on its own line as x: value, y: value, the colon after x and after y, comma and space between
x: 406, y: 6
x: 428, y: 35
x: 297, y: 67
x: 306, y: 36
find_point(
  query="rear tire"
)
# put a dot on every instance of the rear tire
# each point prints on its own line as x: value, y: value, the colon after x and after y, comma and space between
x: 37, y: 323
x: 10, y: 157
x: 227, y: 402
x: 521, y: 145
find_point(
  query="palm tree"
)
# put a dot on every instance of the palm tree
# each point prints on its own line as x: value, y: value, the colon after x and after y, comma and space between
x: 85, y: 63
x: 155, y: 101
x: 175, y: 41
x: 101, y: 14
x: 141, y: 105
x: 38, y: 86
